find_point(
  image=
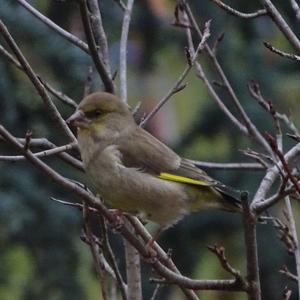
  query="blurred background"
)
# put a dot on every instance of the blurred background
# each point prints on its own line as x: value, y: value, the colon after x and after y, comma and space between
x: 41, y: 254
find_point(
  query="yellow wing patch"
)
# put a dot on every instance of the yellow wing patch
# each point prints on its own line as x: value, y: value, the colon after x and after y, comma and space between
x: 182, y: 179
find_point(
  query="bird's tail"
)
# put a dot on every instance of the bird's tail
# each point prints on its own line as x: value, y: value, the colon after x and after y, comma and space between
x: 231, y: 198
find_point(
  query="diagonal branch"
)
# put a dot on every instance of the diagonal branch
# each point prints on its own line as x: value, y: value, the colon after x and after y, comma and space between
x: 178, y: 84
x: 282, y: 53
x: 65, y: 34
x: 282, y: 24
x: 250, y: 129
x: 54, y: 113
x: 61, y: 96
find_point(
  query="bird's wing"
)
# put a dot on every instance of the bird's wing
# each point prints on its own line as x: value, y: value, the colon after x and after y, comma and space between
x: 142, y: 150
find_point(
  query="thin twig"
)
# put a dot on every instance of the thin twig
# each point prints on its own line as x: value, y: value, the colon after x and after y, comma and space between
x: 219, y: 251
x: 121, y: 4
x: 200, y: 73
x: 285, y: 271
x: 250, y: 129
x: 284, y: 163
x: 112, y: 259
x: 282, y: 53
x: 177, y: 86
x: 72, y: 204
x: 87, y: 89
x: 286, y: 294
x: 54, y: 113
x: 65, y: 34
x: 234, y: 12
x: 255, y: 92
x: 102, y: 268
x: 56, y: 150
x: 61, y: 96
x: 229, y: 166
x: 155, y: 292
x: 296, y: 8
x: 285, y: 235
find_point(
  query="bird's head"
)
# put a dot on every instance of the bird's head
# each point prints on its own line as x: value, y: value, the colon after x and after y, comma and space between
x: 99, y: 109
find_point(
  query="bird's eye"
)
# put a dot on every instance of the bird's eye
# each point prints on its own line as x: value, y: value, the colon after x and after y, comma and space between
x: 93, y: 114
x: 97, y: 113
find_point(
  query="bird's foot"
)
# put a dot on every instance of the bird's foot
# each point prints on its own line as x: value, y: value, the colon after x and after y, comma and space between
x: 152, y: 254
x: 118, y: 222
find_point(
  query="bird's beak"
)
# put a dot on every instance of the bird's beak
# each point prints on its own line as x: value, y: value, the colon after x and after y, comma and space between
x: 78, y: 119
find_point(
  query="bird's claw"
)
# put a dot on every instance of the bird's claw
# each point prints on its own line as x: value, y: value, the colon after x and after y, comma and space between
x: 118, y: 222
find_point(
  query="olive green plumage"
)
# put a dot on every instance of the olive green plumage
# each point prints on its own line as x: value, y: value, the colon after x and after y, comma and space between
x: 134, y: 171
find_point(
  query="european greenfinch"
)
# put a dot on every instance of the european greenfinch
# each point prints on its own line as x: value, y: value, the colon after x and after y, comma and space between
x: 136, y: 173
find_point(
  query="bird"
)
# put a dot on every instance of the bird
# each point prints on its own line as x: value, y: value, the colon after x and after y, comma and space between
x: 136, y: 173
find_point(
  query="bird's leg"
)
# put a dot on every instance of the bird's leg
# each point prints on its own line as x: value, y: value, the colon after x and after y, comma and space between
x: 150, y: 243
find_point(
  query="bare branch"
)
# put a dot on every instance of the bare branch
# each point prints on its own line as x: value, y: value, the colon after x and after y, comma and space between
x: 123, y: 50
x: 250, y: 129
x: 228, y: 166
x: 100, y: 66
x: 234, y: 12
x: 255, y: 92
x: 254, y: 291
x: 282, y: 24
x: 270, y: 177
x: 182, y: 281
x: 283, y: 162
x: 285, y: 235
x: 161, y: 254
x: 219, y: 251
x: 282, y: 53
x: 293, y: 229
x: 54, y: 113
x: 103, y: 269
x: 133, y: 270
x: 65, y: 34
x: 286, y: 294
x: 296, y: 8
x: 285, y: 271
x: 112, y: 259
x: 177, y: 86
x: 56, y: 150
x: 121, y: 4
x: 155, y: 292
x: 61, y: 96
